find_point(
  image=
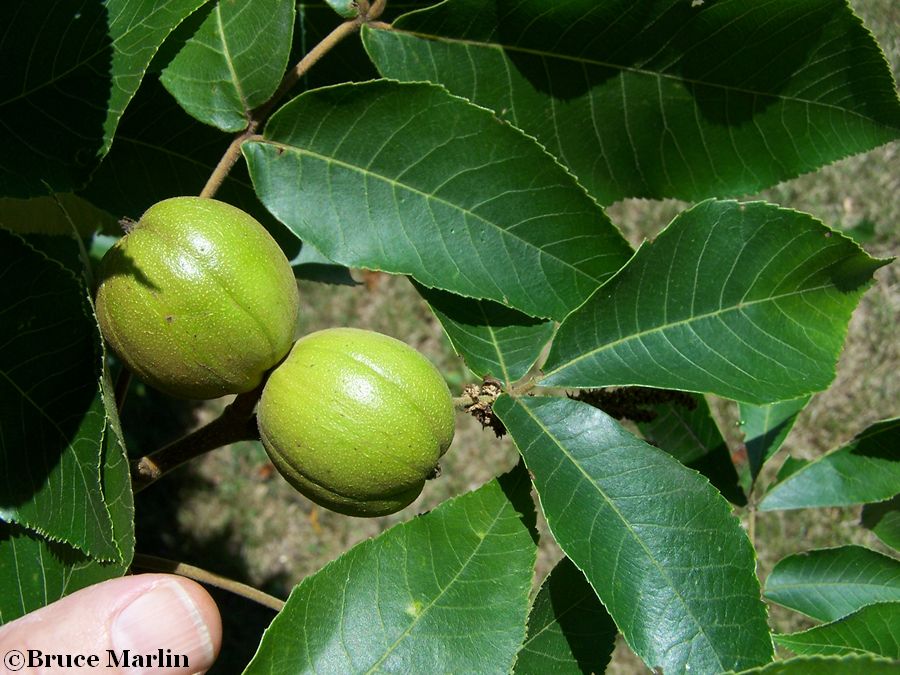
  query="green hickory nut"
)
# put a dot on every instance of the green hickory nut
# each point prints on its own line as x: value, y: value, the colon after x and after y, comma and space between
x: 197, y: 299
x: 356, y: 420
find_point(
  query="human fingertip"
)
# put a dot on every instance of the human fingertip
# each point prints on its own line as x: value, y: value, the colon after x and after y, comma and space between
x: 176, y: 621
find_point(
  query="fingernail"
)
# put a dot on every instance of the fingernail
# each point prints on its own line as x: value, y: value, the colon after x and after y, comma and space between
x: 162, y: 631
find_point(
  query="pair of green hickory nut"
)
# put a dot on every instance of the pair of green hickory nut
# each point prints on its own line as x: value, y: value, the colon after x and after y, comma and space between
x: 199, y: 301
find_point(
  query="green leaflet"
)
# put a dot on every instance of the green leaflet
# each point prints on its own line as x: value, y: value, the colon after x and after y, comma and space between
x: 870, y: 629
x: 448, y: 590
x: 828, y: 584
x: 53, y: 414
x: 865, y: 470
x: 493, y: 339
x: 408, y: 179
x: 747, y: 301
x: 234, y: 62
x: 659, y: 545
x: 660, y: 98
x: 100, y: 52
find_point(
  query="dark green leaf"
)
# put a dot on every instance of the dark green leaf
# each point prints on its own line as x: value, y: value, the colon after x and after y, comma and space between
x: 747, y: 301
x: 70, y: 69
x: 660, y: 546
x: 407, y: 179
x: 883, y: 519
x: 765, y: 428
x: 662, y: 98
x: 830, y: 665
x: 35, y: 572
x: 115, y: 479
x: 161, y: 152
x: 690, y: 434
x: 831, y: 583
x: 234, y: 62
x: 446, y: 591
x: 569, y: 630
x: 871, y: 629
x: 52, y: 412
x: 493, y: 339
x: 865, y: 470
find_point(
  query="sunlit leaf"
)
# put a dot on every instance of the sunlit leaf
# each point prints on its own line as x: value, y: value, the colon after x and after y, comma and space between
x: 865, y: 470
x: 871, y: 629
x: 831, y: 583
x: 660, y: 546
x: 446, y: 590
x: 405, y: 178
x: 662, y: 98
x: 747, y: 301
x: 234, y: 62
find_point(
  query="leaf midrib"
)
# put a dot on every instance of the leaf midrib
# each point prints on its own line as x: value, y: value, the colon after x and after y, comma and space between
x: 229, y: 61
x: 414, y: 190
x: 422, y: 614
x: 627, y: 525
x: 672, y: 324
x: 631, y: 69
x: 501, y: 361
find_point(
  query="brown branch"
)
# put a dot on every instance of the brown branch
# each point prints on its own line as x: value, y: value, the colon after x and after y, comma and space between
x: 229, y: 159
x: 123, y: 380
x: 151, y: 563
x: 375, y: 10
x: 236, y: 423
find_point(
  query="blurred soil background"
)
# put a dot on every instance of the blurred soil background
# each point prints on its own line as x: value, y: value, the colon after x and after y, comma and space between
x: 231, y: 513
